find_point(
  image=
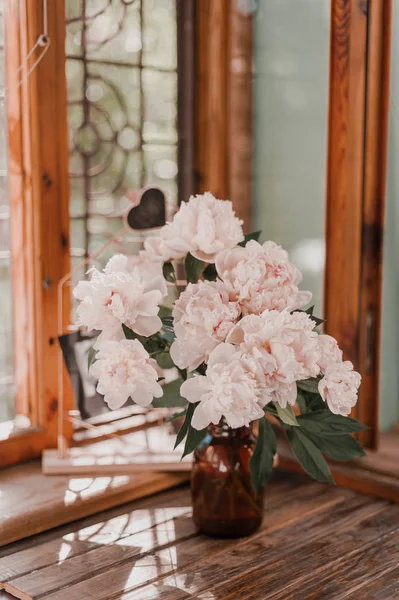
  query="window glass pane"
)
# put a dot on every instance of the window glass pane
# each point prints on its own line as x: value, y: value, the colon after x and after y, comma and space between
x: 291, y: 51
x: 122, y: 96
x: 122, y: 93
x: 389, y: 392
x: 7, y: 410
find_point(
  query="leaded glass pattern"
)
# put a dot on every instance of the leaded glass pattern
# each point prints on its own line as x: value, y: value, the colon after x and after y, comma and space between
x: 7, y: 406
x: 122, y: 96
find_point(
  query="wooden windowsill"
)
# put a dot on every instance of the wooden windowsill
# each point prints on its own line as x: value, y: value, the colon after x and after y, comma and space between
x: 376, y: 474
x: 31, y: 502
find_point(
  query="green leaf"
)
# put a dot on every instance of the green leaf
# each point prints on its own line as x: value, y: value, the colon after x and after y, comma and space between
x: 171, y: 396
x: 338, y: 447
x: 168, y: 272
x: 129, y: 334
x: 309, y: 385
x: 176, y: 415
x: 309, y: 311
x: 261, y: 462
x: 91, y: 357
x: 301, y: 402
x: 164, y: 360
x: 167, y: 323
x: 186, y: 424
x: 164, y: 311
x: 255, y: 235
x: 201, y: 369
x: 318, y: 321
x: 287, y: 415
x: 194, y: 268
x: 210, y: 273
x: 182, y: 373
x: 167, y: 336
x: 314, y: 402
x: 193, y: 439
x: 324, y: 422
x: 309, y: 456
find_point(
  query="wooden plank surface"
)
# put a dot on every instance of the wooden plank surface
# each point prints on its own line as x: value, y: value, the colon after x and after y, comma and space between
x: 150, y: 550
x: 25, y: 491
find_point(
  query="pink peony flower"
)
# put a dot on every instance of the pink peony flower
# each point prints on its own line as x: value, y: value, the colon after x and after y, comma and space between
x: 204, y: 226
x: 228, y: 390
x: 124, y: 369
x: 119, y: 296
x: 203, y: 316
x: 329, y: 351
x: 285, y: 347
x: 261, y: 277
x: 339, y: 387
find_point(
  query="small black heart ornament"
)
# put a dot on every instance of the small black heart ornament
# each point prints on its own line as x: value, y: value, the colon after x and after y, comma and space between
x: 150, y: 213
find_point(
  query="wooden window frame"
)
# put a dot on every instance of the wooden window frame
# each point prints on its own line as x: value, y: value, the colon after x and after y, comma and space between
x: 39, y: 199
x: 356, y: 187
x: 356, y: 176
x: 360, y: 47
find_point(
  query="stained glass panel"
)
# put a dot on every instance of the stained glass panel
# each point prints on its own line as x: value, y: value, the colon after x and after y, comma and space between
x: 122, y: 95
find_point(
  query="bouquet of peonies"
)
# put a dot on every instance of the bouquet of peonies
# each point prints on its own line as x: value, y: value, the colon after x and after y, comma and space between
x: 238, y: 334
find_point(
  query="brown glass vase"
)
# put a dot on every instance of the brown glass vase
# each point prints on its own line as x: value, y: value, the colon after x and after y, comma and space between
x: 224, y: 501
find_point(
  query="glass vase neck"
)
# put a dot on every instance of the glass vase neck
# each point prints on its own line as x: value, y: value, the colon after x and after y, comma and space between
x: 222, y: 429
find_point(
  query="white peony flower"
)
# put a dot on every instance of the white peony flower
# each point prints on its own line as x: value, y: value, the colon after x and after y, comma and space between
x: 285, y: 347
x: 339, y: 387
x: 204, y: 226
x: 261, y: 277
x: 119, y: 296
x: 121, y: 263
x: 203, y: 316
x: 124, y: 369
x: 329, y: 351
x: 228, y: 390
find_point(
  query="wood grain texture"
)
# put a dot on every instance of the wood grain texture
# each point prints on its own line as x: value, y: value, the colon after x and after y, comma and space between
x: 384, y: 587
x: 188, y: 557
x: 149, y: 550
x: 375, y: 173
x: 22, y: 446
x: 25, y: 491
x: 370, y: 476
x: 356, y: 540
x: 345, y: 173
x: 230, y: 569
x: 356, y: 178
x: 224, y: 104
x: 39, y: 194
x: 212, y: 115
x: 22, y: 225
x: 240, y: 114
